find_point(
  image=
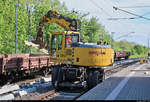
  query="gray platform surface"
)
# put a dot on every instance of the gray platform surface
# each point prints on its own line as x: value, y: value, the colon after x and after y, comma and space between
x: 124, y: 85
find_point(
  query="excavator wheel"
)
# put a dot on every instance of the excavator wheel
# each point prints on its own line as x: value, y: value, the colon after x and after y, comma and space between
x: 57, y: 77
x: 93, y: 79
x: 54, y: 75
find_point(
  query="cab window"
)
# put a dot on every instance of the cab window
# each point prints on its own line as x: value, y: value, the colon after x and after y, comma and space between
x: 60, y: 42
x: 69, y: 39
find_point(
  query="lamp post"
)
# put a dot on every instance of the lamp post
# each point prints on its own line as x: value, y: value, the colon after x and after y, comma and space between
x: 148, y: 44
x: 147, y: 41
x: 30, y: 40
x: 16, y: 5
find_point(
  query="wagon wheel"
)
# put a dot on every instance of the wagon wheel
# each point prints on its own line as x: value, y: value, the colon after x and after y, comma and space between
x: 3, y: 80
x: 20, y: 75
x: 46, y: 71
x: 12, y: 77
x: 126, y: 57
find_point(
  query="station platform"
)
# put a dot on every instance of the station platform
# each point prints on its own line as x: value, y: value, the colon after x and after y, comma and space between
x: 132, y: 83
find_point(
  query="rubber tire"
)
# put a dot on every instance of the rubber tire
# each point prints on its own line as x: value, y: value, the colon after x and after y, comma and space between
x: 89, y: 80
x: 96, y: 76
x: 57, y: 75
x: 54, y: 75
x: 93, y: 79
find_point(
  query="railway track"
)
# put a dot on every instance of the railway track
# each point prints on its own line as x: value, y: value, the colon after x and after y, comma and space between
x: 37, y: 78
x: 47, y: 95
x: 61, y: 95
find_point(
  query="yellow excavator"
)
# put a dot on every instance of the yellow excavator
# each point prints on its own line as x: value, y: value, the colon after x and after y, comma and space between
x: 81, y: 63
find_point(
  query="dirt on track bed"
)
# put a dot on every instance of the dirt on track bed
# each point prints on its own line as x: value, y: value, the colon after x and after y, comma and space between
x: 37, y: 78
x: 35, y: 95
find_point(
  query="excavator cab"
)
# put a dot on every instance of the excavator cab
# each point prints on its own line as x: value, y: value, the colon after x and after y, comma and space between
x: 61, y: 43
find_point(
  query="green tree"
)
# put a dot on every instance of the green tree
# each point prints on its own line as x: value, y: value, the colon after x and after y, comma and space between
x: 93, y: 28
x: 29, y: 15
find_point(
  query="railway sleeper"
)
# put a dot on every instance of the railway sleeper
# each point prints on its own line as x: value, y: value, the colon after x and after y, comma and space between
x: 11, y: 76
x: 71, y: 76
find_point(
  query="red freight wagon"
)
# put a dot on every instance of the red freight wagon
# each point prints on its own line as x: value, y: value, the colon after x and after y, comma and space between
x: 15, y: 64
x: 118, y: 55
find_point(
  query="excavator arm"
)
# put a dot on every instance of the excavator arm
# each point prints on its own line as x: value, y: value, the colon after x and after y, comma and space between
x: 53, y: 17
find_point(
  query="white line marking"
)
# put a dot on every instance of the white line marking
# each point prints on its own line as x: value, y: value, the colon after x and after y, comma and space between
x: 116, y: 91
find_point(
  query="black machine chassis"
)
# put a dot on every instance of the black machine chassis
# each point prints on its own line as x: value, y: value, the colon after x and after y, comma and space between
x: 69, y: 74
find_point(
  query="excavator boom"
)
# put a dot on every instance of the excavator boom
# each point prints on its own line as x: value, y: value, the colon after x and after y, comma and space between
x: 53, y: 17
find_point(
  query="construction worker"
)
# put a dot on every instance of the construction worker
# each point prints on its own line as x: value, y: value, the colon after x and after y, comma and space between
x: 99, y: 42
x: 68, y: 42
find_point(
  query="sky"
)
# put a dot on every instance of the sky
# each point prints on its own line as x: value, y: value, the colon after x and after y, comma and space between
x: 133, y: 30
